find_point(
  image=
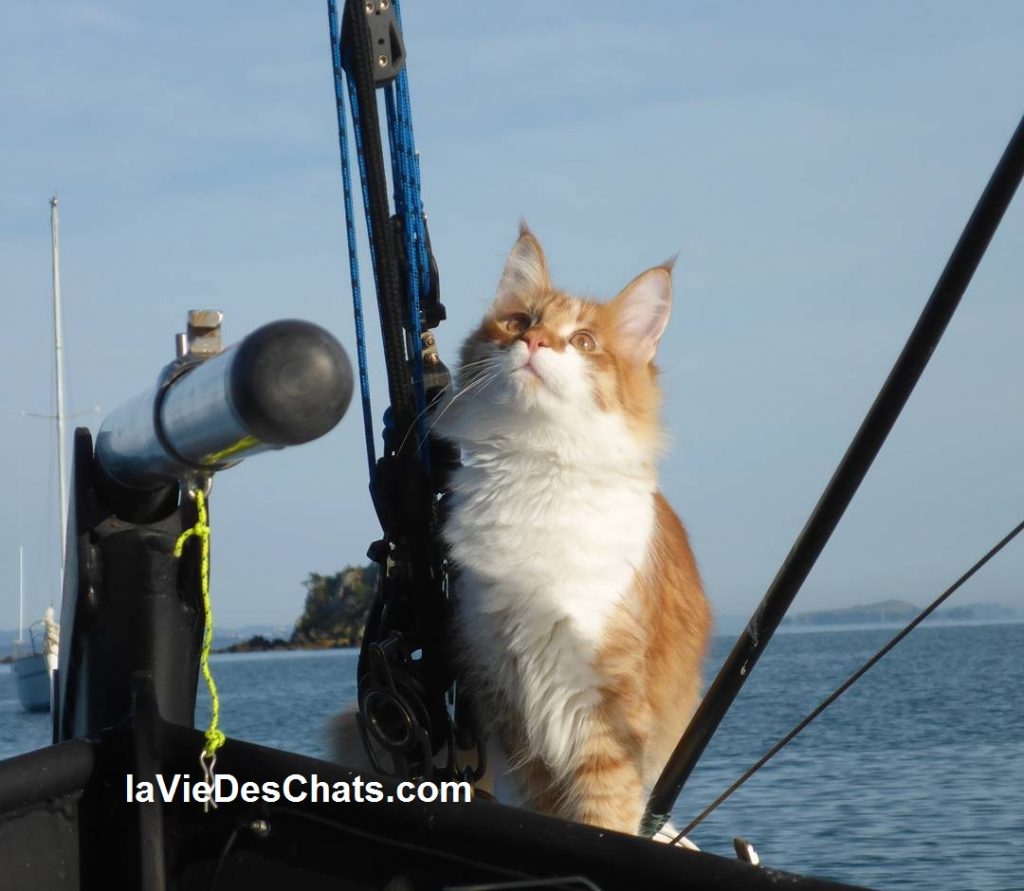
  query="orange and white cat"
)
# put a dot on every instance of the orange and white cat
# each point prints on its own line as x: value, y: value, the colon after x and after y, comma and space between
x: 581, y: 619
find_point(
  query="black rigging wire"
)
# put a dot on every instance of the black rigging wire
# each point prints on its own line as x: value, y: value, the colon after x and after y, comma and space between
x: 866, y: 443
x: 849, y: 682
x: 223, y: 858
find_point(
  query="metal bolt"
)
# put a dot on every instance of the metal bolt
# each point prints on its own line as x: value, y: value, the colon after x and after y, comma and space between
x: 259, y: 828
x: 382, y: 60
x: 369, y: 7
x: 433, y: 359
x: 205, y: 318
x: 203, y: 332
x: 384, y: 4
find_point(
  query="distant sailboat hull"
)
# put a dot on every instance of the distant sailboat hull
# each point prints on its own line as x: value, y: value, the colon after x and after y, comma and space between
x: 32, y: 675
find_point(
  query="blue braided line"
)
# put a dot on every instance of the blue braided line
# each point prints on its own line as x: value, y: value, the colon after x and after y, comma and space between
x: 353, y: 256
x: 360, y: 155
x: 412, y: 175
x: 405, y: 167
x: 396, y: 173
x: 404, y: 202
x: 416, y: 208
x: 408, y: 205
x: 365, y: 189
x: 400, y: 185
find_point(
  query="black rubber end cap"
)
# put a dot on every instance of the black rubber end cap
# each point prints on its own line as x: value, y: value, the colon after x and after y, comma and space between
x: 291, y: 382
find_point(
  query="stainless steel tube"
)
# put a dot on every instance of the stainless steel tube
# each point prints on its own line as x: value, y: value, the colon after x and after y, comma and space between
x: 287, y: 383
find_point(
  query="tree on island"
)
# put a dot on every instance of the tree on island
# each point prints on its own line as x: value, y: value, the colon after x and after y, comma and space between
x: 336, y: 607
x: 334, y: 614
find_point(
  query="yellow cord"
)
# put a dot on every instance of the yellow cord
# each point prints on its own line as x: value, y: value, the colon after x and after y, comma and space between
x: 201, y: 530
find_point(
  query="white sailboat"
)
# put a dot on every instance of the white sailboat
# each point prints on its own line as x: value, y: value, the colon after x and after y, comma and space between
x: 34, y: 663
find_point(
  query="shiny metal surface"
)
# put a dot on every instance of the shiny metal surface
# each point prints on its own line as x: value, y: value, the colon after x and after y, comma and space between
x: 197, y: 420
x: 286, y: 383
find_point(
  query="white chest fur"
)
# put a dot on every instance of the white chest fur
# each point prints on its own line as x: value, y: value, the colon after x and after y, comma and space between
x: 546, y: 550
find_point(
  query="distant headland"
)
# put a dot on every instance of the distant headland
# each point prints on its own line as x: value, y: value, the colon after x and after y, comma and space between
x: 336, y: 606
x: 889, y: 612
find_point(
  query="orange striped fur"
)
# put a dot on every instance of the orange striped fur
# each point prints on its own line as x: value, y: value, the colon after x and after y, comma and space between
x: 581, y: 618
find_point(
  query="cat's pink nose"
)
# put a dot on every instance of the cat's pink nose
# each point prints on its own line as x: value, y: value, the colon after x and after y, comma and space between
x: 534, y: 340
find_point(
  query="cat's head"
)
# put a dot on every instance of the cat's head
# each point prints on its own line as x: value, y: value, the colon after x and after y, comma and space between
x: 546, y: 360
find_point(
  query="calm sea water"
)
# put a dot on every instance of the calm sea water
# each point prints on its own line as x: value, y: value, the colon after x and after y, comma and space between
x: 914, y: 779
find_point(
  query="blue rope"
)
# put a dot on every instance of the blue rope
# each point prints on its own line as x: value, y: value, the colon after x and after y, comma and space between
x: 408, y: 207
x: 396, y: 173
x: 414, y: 203
x: 364, y: 188
x: 405, y: 177
x: 353, y: 256
x: 405, y: 164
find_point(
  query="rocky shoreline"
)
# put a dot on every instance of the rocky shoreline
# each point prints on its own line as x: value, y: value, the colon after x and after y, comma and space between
x: 261, y: 644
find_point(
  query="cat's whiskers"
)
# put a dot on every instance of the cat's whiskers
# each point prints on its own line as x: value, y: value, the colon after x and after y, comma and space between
x: 487, y: 360
x: 477, y: 383
x: 415, y: 421
x: 473, y: 384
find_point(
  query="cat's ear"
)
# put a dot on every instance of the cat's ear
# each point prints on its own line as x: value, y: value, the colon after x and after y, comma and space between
x: 642, y: 311
x: 526, y: 270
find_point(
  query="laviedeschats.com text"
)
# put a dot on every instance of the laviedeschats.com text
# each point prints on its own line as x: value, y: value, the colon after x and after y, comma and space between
x: 295, y: 787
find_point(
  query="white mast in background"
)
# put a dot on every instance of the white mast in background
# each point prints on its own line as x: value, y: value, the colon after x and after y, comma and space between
x: 21, y: 594
x: 58, y: 338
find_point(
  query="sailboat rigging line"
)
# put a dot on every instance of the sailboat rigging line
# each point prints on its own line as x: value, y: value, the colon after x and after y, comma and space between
x: 58, y: 353
x: 843, y: 485
x: 350, y: 233
x: 355, y: 56
x: 409, y: 606
x: 409, y: 208
x: 849, y: 682
x: 223, y: 858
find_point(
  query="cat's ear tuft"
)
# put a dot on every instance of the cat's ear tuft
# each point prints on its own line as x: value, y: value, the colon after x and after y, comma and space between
x: 642, y: 311
x: 526, y: 270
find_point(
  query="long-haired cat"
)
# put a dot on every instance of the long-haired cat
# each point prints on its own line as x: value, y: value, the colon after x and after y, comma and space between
x: 581, y: 619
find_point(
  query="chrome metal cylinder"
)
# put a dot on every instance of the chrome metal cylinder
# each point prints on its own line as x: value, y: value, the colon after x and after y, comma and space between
x: 287, y: 383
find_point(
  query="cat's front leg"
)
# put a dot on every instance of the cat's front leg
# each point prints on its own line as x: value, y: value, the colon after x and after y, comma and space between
x: 607, y: 791
x: 603, y: 786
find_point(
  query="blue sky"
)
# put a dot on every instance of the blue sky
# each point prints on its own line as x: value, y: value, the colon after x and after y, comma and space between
x: 812, y: 164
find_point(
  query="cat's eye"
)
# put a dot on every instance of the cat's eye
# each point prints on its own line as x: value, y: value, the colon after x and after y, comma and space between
x: 583, y: 341
x: 518, y: 323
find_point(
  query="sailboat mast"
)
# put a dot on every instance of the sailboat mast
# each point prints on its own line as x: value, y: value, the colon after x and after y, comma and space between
x: 21, y: 593
x: 58, y: 349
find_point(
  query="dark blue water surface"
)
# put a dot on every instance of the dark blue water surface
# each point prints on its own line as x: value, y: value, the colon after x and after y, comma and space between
x: 914, y: 779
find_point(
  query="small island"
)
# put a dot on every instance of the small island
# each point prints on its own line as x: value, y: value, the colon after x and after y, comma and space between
x: 334, y: 614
